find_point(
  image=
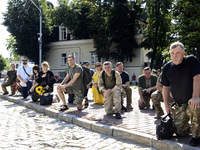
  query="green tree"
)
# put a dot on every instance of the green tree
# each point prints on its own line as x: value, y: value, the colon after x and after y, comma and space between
x: 158, y: 26
x: 100, y: 14
x: 3, y: 63
x: 187, y: 24
x: 22, y: 21
x: 86, y: 19
x: 96, y: 19
x: 11, y: 42
x: 74, y: 16
x: 124, y: 27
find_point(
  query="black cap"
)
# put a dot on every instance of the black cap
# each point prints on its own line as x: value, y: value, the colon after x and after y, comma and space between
x: 85, y: 62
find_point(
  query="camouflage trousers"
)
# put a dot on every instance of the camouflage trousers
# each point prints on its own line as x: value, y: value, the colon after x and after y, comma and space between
x: 182, y: 114
x: 113, y: 103
x: 8, y: 83
x: 156, y: 98
x: 78, y: 94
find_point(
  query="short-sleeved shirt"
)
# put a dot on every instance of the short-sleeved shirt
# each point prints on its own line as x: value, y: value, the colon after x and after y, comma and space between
x: 12, y: 75
x: 125, y: 77
x: 23, y: 75
x: 142, y: 81
x: 78, y: 84
x: 180, y: 78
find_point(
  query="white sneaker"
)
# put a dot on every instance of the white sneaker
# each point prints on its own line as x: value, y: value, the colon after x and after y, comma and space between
x: 29, y: 97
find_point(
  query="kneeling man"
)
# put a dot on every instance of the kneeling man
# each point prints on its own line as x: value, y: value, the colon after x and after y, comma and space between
x: 110, y: 83
x: 182, y: 76
x: 74, y: 86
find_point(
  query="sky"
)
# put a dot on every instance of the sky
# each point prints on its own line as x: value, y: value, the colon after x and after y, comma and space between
x: 3, y: 31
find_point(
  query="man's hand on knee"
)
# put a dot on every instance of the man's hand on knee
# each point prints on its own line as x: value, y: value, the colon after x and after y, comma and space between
x: 194, y: 103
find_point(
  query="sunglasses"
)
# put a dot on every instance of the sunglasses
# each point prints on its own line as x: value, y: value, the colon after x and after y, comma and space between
x: 24, y: 60
x: 105, y: 64
x: 97, y: 65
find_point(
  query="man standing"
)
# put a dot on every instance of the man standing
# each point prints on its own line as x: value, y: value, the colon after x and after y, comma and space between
x: 75, y: 85
x: 110, y: 83
x: 24, y: 74
x: 146, y: 86
x: 125, y: 84
x: 12, y: 76
x: 182, y: 77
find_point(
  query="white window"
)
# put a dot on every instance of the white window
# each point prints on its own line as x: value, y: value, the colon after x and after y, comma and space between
x: 63, y: 59
x: 76, y: 57
x: 128, y: 59
x: 62, y: 33
x: 94, y: 58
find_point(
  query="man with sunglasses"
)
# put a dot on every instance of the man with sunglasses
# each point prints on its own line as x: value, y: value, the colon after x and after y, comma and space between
x: 24, y: 74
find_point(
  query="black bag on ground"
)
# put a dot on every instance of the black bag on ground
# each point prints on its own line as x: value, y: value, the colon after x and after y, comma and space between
x: 46, y: 99
x: 166, y: 128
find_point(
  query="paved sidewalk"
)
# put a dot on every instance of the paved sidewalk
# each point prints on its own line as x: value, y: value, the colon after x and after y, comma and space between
x: 136, y: 125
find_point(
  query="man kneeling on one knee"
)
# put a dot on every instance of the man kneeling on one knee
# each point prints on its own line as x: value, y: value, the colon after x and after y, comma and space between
x: 110, y: 83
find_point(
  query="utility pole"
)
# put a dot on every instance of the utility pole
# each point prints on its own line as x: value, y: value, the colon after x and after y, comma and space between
x: 40, y: 35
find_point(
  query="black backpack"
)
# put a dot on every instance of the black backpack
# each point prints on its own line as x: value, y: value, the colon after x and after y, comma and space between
x: 166, y: 128
x: 87, y: 76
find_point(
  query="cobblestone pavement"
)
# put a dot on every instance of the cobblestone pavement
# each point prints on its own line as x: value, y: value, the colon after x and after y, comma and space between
x: 22, y: 128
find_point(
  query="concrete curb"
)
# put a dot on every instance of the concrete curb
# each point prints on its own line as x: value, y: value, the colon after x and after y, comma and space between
x: 137, y: 137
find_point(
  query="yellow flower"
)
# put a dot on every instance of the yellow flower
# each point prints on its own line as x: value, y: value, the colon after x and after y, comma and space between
x: 40, y: 90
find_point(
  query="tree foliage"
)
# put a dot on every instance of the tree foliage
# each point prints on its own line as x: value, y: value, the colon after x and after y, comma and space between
x: 11, y: 42
x: 124, y: 27
x: 187, y: 24
x: 22, y: 21
x: 158, y: 27
x: 106, y: 22
x: 3, y: 63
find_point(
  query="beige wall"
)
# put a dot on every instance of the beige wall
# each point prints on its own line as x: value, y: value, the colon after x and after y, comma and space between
x: 84, y: 49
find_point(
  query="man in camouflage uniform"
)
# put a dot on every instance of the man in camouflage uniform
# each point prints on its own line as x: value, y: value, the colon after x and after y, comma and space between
x: 157, y: 98
x: 182, y: 77
x: 75, y: 85
x: 110, y: 83
x: 12, y: 76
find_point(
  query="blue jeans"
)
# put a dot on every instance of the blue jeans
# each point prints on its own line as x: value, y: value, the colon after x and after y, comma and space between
x: 25, y: 90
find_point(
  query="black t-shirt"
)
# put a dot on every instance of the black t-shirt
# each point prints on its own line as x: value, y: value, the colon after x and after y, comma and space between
x: 180, y: 78
x: 125, y: 77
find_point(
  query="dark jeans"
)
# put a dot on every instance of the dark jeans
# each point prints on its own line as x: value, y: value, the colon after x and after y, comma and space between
x: 25, y: 90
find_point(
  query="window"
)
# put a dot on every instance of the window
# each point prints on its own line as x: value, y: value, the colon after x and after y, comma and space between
x: 94, y: 58
x: 63, y: 59
x: 63, y: 33
x: 128, y: 59
x: 76, y: 57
